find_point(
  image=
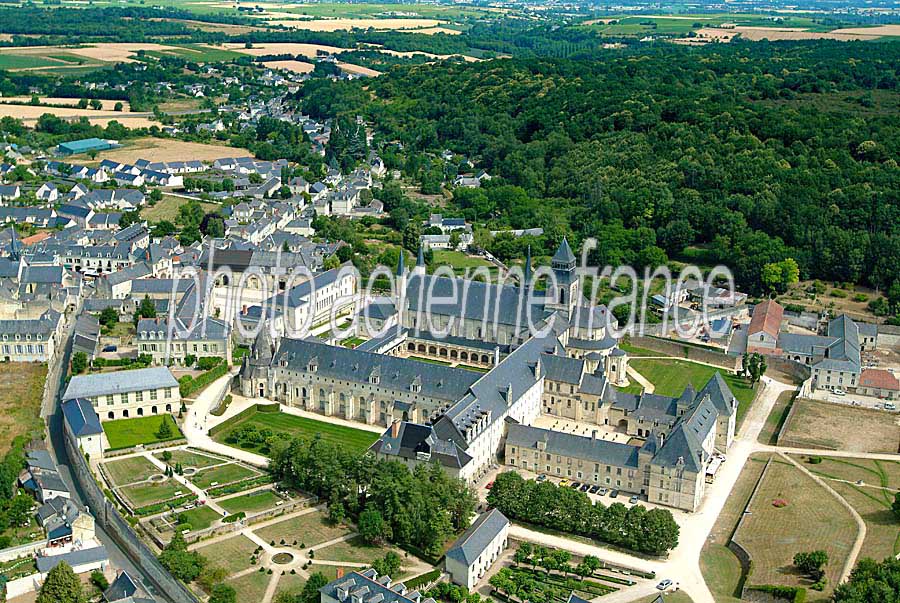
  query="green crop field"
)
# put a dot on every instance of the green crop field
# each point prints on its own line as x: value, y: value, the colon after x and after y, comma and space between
x: 346, y: 437
x: 126, y: 433
x: 250, y: 503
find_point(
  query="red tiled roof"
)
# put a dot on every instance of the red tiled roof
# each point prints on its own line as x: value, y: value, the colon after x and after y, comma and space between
x: 766, y: 317
x: 878, y: 378
x: 35, y: 238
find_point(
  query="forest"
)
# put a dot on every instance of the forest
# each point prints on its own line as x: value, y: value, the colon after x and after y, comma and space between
x: 753, y: 153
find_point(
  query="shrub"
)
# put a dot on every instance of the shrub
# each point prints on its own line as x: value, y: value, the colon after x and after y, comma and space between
x: 860, y: 297
x: 839, y: 293
x: 815, y: 460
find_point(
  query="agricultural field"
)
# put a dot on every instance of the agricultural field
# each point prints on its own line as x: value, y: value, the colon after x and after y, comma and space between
x: 811, y: 519
x: 828, y: 426
x: 254, y: 502
x: 308, y: 529
x: 126, y: 433
x: 21, y: 389
x: 671, y: 377
x: 106, y: 105
x: 221, y: 475
x: 168, y: 149
x: 130, y: 470
x: 869, y: 487
x: 302, y: 427
x: 29, y: 114
x: 232, y: 554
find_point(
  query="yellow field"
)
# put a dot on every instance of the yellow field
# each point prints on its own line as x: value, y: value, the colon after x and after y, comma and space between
x: 108, y: 105
x: 346, y: 24
x: 166, y: 149
x: 30, y: 114
x: 295, y: 66
x: 792, y: 33
x: 307, y: 50
x: 358, y: 69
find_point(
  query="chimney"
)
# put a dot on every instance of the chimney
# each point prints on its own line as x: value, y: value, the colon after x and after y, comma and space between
x: 395, y: 428
x: 594, y: 434
x: 244, y: 310
x: 340, y: 573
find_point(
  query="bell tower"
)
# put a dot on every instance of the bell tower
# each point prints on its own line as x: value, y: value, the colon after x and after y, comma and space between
x: 566, y: 293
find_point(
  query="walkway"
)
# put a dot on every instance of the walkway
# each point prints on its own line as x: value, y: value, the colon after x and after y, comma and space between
x: 631, y: 372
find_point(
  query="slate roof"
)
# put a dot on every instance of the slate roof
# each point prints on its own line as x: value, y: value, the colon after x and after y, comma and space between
x: 719, y: 394
x: 367, y: 587
x: 90, y: 386
x: 568, y: 444
x: 81, y: 417
x: 415, y: 441
x: 477, y: 537
x: 563, y: 253
x: 125, y: 589
x: 74, y: 558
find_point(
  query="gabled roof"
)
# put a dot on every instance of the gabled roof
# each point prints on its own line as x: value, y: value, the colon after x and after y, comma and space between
x: 767, y: 318
x: 89, y: 386
x: 81, y: 417
x: 477, y: 537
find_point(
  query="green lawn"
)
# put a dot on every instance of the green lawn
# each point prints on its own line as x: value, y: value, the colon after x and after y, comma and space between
x: 671, y: 377
x: 199, y: 518
x: 130, y: 470
x: 459, y: 261
x: 251, y: 587
x: 221, y: 475
x: 290, y: 583
x: 309, y: 529
x: 676, y: 597
x: 353, y: 550
x: 302, y: 427
x: 769, y: 433
x: 188, y: 458
x: 429, y: 360
x: 148, y: 493
x: 126, y: 433
x: 250, y: 503
x: 232, y: 554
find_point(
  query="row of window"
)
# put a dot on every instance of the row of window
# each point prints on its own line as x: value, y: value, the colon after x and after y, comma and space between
x: 23, y: 349
x: 126, y: 398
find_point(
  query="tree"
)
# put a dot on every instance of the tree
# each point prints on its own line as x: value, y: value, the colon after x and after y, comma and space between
x: 778, y: 276
x: 371, y: 526
x: 146, y: 309
x: 109, y: 317
x: 79, y: 363
x: 96, y: 104
x: 99, y: 580
x: 388, y: 565
x: 118, y: 107
x: 223, y: 593
x: 336, y: 511
x: 181, y: 563
x: 811, y: 563
x: 83, y: 103
x: 165, y: 432
x: 61, y: 586
x: 871, y: 581
x: 310, y: 592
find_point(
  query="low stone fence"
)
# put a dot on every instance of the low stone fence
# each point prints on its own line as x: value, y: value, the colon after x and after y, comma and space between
x: 21, y: 550
x: 742, y: 554
x: 111, y: 454
x: 686, y: 351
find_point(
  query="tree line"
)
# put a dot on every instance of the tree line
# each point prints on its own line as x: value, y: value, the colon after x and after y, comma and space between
x: 545, y: 504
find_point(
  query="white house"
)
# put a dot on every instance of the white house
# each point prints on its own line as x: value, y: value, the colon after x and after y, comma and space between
x: 473, y: 554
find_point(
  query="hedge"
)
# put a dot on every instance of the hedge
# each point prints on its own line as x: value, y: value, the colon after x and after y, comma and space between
x: 163, y: 506
x: 187, y: 385
x: 794, y: 594
x: 240, y: 486
x: 415, y: 583
x: 234, y: 517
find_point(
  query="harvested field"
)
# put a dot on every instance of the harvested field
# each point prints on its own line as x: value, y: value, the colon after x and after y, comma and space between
x: 793, y: 33
x: 295, y: 66
x: 828, y: 426
x: 358, y: 70
x: 108, y: 105
x: 436, y: 30
x: 307, y: 50
x: 812, y: 519
x: 167, y: 149
x: 21, y: 388
x: 226, y: 28
x: 881, y: 30
x: 29, y: 114
x: 347, y: 24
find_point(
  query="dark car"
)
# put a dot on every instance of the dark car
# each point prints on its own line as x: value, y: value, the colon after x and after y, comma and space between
x: 541, y: 477
x: 585, y: 487
x: 594, y: 489
x: 110, y: 348
x: 614, y: 494
x: 575, y: 485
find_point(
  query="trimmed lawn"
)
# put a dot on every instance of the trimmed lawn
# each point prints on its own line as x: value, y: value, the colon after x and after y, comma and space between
x: 353, y: 550
x: 302, y: 427
x: 720, y: 567
x: 676, y: 597
x: 221, y: 475
x: 127, y: 433
x: 250, y: 503
x: 775, y: 421
x: 329, y: 571
x: 813, y: 519
x: 232, y: 554
x: 200, y: 518
x: 188, y: 458
x: 21, y: 390
x: 251, y: 587
x: 290, y: 583
x: 309, y: 529
x: 131, y: 470
x: 671, y: 377
x: 149, y: 493
x: 429, y: 360
x: 872, y: 500
x: 459, y: 261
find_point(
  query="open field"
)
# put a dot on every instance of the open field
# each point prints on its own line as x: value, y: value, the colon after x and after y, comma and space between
x: 460, y: 262
x: 295, y: 66
x: 221, y: 475
x: 251, y: 503
x: 130, y: 470
x: 251, y: 587
x: 188, y: 458
x: 347, y: 24
x: 199, y: 518
x: 813, y: 519
x: 278, y: 48
x: 872, y: 498
x: 720, y: 567
x: 671, y: 377
x: 330, y: 571
x: 290, y: 583
x: 309, y: 529
x: 774, y: 422
x: 830, y: 426
x: 232, y: 554
x: 167, y: 209
x: 775, y: 34
x: 125, y: 433
x: 168, y: 149
x: 21, y: 388
x: 107, y: 105
x: 358, y: 70
x: 353, y: 550
x: 148, y: 493
x: 30, y: 114
x: 346, y: 437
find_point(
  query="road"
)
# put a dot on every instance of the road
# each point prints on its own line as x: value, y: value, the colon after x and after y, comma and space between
x: 57, y: 449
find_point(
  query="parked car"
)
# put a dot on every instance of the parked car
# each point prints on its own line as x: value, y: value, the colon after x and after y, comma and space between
x: 840, y: 392
x: 594, y: 489
x: 633, y: 499
x: 563, y: 483
x: 614, y: 494
x: 890, y: 406
x: 541, y: 477
x: 110, y: 348
x: 602, y: 491
x: 489, y: 486
x: 664, y: 585
x: 585, y: 487
x: 575, y: 485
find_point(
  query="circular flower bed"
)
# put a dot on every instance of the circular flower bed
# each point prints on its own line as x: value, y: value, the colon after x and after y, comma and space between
x: 779, y: 503
x: 282, y: 558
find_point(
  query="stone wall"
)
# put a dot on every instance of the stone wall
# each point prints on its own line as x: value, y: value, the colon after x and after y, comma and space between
x: 686, y: 351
